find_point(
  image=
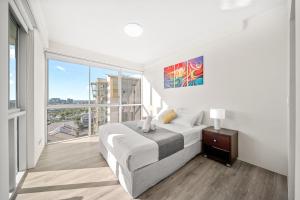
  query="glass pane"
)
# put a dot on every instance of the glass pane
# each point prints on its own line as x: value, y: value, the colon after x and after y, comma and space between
x: 68, y: 83
x: 67, y: 123
x: 13, y: 37
x: 131, y: 88
x: 103, y: 115
x: 131, y: 113
x: 104, y: 86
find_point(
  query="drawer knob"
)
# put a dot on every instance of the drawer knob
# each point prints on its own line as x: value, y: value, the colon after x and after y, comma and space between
x: 215, y: 140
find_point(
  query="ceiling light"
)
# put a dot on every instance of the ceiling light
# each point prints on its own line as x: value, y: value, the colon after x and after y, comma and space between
x: 133, y: 30
x: 234, y: 4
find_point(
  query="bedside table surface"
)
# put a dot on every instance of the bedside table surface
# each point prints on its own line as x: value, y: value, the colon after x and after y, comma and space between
x: 223, y: 131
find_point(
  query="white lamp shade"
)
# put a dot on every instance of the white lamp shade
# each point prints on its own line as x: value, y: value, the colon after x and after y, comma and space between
x: 217, y: 113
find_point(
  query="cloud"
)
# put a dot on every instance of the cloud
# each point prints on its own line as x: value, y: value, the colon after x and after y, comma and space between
x: 60, y: 68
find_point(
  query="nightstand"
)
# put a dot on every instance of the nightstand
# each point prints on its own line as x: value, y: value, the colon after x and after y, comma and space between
x: 220, y: 145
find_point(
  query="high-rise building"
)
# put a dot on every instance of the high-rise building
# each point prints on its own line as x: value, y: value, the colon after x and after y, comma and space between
x: 106, y: 92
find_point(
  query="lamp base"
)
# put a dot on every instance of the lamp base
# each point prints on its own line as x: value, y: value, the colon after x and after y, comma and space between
x: 217, y: 124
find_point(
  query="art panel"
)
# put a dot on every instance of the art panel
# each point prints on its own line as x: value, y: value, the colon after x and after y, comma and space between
x: 181, y: 74
x: 195, y: 71
x: 169, y: 77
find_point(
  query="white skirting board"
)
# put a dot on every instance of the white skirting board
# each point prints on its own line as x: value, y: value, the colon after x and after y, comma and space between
x: 138, y: 181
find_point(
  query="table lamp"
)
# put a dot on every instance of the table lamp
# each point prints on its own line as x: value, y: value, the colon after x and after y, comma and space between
x: 217, y: 115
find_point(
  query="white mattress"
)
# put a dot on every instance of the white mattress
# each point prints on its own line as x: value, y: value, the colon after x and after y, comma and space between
x: 134, y: 151
x: 190, y: 134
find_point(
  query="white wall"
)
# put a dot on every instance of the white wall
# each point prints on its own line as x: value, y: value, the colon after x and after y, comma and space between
x: 39, y: 95
x: 297, y: 154
x: 292, y: 104
x: 36, y: 88
x: 245, y: 73
x: 292, y: 112
x: 4, y: 182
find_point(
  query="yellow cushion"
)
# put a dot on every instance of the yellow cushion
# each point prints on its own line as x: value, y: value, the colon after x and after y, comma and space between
x: 168, y: 117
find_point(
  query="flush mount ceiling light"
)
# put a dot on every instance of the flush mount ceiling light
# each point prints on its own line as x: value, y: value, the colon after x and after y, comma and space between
x: 133, y: 30
x: 234, y: 4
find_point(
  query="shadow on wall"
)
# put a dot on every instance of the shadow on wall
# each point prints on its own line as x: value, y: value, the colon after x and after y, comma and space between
x: 153, y: 103
x: 152, y: 100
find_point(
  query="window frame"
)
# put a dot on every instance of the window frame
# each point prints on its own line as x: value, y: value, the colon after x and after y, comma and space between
x: 90, y: 65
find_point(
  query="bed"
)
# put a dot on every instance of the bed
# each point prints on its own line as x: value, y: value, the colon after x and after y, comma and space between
x: 140, y: 162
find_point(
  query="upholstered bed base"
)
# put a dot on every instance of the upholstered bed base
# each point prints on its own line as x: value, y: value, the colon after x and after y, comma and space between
x: 138, y: 181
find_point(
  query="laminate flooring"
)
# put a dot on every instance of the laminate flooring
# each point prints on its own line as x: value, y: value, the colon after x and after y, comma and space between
x: 74, y: 170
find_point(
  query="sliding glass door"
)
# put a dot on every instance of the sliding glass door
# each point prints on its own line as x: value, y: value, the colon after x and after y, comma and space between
x: 12, y: 103
x: 16, y: 113
x: 81, y: 98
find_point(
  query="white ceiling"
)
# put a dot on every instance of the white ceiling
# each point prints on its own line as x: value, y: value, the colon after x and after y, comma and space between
x: 169, y: 25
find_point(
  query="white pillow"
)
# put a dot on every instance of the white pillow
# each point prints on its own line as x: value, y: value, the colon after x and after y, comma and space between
x: 188, y: 119
x: 185, y: 120
x: 199, y: 118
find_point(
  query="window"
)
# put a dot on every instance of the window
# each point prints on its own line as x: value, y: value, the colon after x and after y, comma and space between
x: 67, y: 123
x: 131, y: 96
x: 104, y: 92
x: 68, y: 100
x: 104, y: 86
x: 131, y: 113
x: 82, y: 98
x: 131, y: 88
x: 17, y: 142
x: 68, y: 83
x: 12, y: 72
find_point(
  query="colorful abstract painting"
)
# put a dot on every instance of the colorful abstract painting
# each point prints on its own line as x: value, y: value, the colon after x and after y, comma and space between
x: 188, y: 73
x: 181, y: 74
x: 195, y: 71
x: 169, y: 77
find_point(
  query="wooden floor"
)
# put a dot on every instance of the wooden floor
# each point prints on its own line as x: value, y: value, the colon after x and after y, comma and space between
x: 74, y: 170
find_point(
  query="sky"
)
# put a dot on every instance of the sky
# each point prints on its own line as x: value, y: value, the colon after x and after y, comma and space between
x: 69, y: 80
x: 12, y: 72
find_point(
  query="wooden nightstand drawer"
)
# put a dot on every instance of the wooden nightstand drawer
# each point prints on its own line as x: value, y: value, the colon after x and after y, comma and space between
x: 217, y: 140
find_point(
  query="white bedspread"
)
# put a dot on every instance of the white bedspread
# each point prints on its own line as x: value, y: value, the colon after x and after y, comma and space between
x: 132, y: 150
